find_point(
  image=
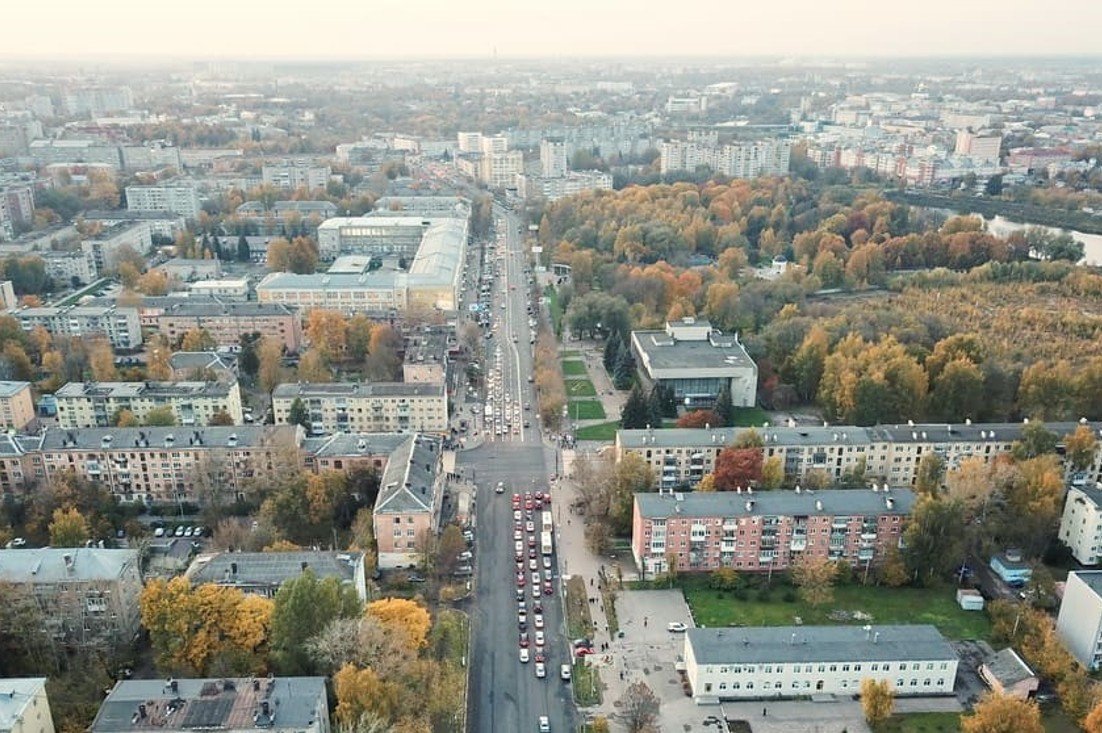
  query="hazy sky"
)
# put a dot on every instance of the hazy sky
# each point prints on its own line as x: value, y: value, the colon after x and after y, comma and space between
x: 551, y: 28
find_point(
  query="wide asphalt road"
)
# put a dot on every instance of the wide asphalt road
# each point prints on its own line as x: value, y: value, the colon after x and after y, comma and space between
x: 505, y: 695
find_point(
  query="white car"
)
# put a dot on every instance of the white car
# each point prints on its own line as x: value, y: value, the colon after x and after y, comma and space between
x: 544, y: 724
x: 539, y: 638
x: 541, y: 670
x: 564, y: 672
x: 538, y: 620
x: 524, y: 655
x: 517, y: 515
x: 547, y: 562
x: 518, y: 535
x: 533, y: 564
x: 535, y: 578
x: 530, y: 527
x: 500, y: 489
x: 676, y: 627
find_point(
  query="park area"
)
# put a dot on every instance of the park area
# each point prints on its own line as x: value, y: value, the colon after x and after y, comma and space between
x: 780, y: 605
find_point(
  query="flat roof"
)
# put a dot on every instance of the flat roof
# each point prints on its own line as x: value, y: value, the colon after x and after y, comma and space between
x: 1008, y: 668
x: 837, y: 502
x: 351, y: 444
x: 15, y: 694
x: 144, y: 389
x: 289, y: 390
x: 213, y: 308
x: 785, y: 644
x: 49, y: 564
x: 1091, y: 578
x: 221, y: 436
x: 663, y: 352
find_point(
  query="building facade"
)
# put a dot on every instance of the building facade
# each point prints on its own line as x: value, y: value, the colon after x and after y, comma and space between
x: 768, y: 530
x: 377, y: 407
x: 94, y: 404
x: 227, y: 322
x: 1079, y: 624
x: 887, y: 454
x: 553, y: 163
x: 65, y: 267
x: 296, y: 174
x: 737, y: 160
x: 179, y: 198
x: 231, y: 705
x: 407, y: 511
x: 16, y: 208
x: 107, y: 246
x: 696, y: 362
x: 87, y: 596
x: 118, y: 324
x: 758, y: 663
x: 1081, y: 523
x: 16, y: 405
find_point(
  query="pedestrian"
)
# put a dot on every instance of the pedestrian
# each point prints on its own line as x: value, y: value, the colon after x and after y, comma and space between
x: 645, y: 619
x: 591, y: 582
x: 764, y: 712
x: 621, y: 674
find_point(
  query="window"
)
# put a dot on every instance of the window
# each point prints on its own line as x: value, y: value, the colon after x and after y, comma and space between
x: 845, y: 667
x: 940, y: 681
x: 723, y: 685
x: 926, y: 682
x: 769, y: 669
x: 899, y: 682
x: 834, y: 668
x: 914, y: 682
x: 749, y: 685
x: 822, y: 667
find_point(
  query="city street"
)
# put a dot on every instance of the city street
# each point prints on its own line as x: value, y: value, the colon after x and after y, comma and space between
x: 505, y: 694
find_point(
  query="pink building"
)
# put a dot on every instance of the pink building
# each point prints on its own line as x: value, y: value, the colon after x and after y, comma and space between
x: 766, y: 529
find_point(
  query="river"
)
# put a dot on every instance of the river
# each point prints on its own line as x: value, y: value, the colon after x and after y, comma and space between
x: 1000, y: 226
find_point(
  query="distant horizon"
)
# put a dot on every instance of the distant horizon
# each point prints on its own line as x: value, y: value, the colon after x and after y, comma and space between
x: 402, y: 30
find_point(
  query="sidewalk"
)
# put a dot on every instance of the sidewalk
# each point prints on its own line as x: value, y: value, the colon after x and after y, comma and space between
x: 576, y: 560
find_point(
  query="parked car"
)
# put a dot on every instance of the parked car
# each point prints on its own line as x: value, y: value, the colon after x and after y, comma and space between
x: 676, y: 627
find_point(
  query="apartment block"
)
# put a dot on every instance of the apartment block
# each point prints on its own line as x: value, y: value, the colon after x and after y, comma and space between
x: 65, y: 267
x: 16, y: 208
x: 754, y: 663
x: 347, y: 452
x: 411, y: 494
x: 94, y: 404
x: 227, y: 322
x: 230, y: 705
x: 178, y: 198
x: 569, y: 184
x: 765, y: 530
x: 88, y: 596
x: 1081, y: 523
x: 106, y: 247
x: 737, y: 160
x: 24, y: 706
x: 296, y: 174
x: 553, y: 163
x: 887, y: 454
x: 118, y: 324
x: 16, y: 405
x: 161, y: 223
x: 983, y: 145
x: 1079, y: 624
x: 97, y: 101
x: 152, y: 155
x: 369, y: 407
x: 89, y: 152
x: 164, y: 465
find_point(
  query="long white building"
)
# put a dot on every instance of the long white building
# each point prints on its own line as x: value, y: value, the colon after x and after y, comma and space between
x: 179, y: 198
x: 737, y: 160
x: 121, y: 325
x: 94, y: 404
x: 363, y: 407
x: 1079, y: 624
x: 749, y: 663
x: 1081, y: 523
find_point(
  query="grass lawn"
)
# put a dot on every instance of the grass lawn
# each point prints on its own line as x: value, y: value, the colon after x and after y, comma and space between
x: 578, y: 621
x: 935, y: 606
x: 921, y: 723
x: 573, y: 368
x: 747, y: 417
x: 601, y: 431
x: 580, y: 388
x: 587, y: 683
x: 587, y: 410
x: 555, y: 308
x: 570, y: 353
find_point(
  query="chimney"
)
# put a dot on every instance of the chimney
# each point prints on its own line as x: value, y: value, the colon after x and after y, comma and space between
x: 68, y: 562
x: 305, y: 565
x: 876, y: 638
x: 174, y: 686
x: 141, y: 710
x: 233, y: 568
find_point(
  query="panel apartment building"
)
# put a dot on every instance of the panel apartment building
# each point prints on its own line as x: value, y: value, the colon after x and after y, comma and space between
x: 758, y: 531
x: 94, y: 404
x: 411, y: 495
x: 120, y: 325
x: 888, y: 453
x: 179, y: 198
x: 369, y: 407
x: 227, y: 322
x: 737, y: 160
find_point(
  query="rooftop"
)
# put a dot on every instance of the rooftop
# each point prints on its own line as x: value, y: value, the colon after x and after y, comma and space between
x: 785, y: 644
x: 838, y: 502
x: 53, y: 565
x: 1091, y: 578
x: 213, y: 704
x: 223, y: 436
x: 210, y: 308
x: 10, y: 389
x: 719, y: 352
x: 350, y: 444
x: 290, y: 390
x: 15, y: 694
x: 409, y: 479
x: 123, y: 390
x: 1008, y: 668
x: 272, y: 569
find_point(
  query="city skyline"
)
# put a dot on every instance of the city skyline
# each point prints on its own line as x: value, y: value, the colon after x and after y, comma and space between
x: 571, y: 29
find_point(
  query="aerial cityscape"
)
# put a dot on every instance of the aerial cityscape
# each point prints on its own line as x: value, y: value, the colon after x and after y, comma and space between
x: 525, y: 379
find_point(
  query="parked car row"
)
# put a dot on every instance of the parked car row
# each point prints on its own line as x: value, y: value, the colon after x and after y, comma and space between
x: 181, y: 530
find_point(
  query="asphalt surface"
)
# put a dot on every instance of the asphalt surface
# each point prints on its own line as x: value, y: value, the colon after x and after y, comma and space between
x: 505, y: 695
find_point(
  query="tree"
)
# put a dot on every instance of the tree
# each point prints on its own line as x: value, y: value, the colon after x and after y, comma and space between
x: 958, y: 392
x: 404, y: 615
x: 270, y: 363
x: 198, y: 339
x: 327, y: 331
x: 971, y: 484
x: 154, y: 282
x: 738, y: 467
x: 996, y: 713
x: 158, y: 355
x: 623, y: 373
x: 304, y: 605
x: 892, y: 569
x: 1036, y: 440
x: 221, y: 418
x: 383, y: 362
x: 68, y: 528
x: 928, y: 475
x: 877, y: 700
x: 358, y: 336
x: 724, y: 409
x: 724, y: 578
x: 313, y: 367
x: 1080, y: 447
x: 124, y: 418
x: 598, y: 538
x: 814, y: 575
x: 699, y: 419
x: 447, y: 552
x: 635, y: 414
x: 934, y: 538
x: 1093, y: 722
x: 298, y: 414
x: 772, y: 473
x: 247, y: 361
x: 160, y: 417
x: 639, y: 708
x: 362, y: 692
x: 101, y: 358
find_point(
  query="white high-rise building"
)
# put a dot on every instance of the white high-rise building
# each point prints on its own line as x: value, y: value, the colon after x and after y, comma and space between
x: 296, y: 174
x: 553, y: 157
x: 182, y: 199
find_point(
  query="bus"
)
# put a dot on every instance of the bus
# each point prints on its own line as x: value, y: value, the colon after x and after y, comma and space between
x: 545, y: 520
x: 545, y: 542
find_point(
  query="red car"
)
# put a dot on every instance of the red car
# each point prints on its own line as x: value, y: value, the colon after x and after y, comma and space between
x: 547, y: 589
x: 579, y: 651
x: 531, y: 541
x: 521, y: 580
x: 524, y: 640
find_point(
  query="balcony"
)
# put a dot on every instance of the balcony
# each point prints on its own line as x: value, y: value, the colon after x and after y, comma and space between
x: 839, y: 523
x: 798, y: 544
x: 865, y: 554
